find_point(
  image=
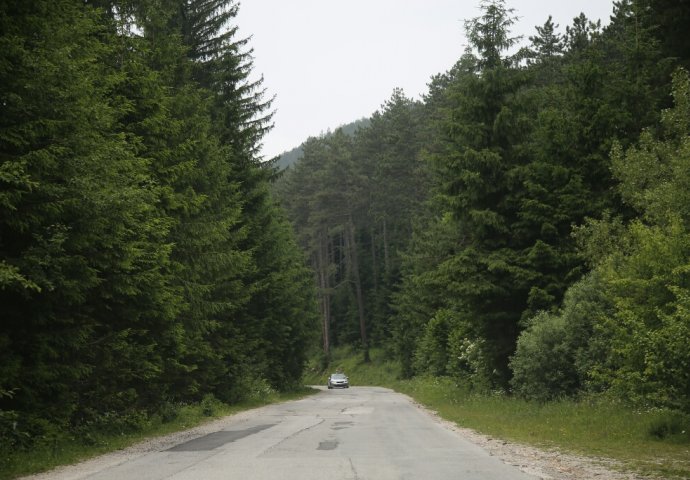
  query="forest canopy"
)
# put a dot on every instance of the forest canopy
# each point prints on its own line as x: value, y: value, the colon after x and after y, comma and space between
x: 143, y: 260
x: 522, y: 227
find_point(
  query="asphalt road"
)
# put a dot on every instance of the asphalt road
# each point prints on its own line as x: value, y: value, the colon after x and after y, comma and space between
x: 356, y: 434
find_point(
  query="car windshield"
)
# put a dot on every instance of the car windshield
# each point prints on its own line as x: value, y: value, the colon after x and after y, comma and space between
x: 338, y: 376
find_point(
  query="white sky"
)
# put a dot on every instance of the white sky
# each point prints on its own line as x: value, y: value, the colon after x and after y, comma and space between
x: 330, y: 62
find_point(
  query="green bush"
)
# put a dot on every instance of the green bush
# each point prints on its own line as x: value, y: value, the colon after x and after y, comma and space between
x: 467, y: 360
x: 10, y: 435
x: 431, y: 356
x: 248, y: 386
x: 649, y: 361
x: 98, y: 424
x: 645, y: 266
x: 670, y: 424
x: 543, y: 365
x: 557, y: 352
x: 210, y: 405
x: 168, y: 412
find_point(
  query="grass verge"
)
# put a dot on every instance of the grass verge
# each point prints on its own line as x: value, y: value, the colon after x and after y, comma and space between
x: 654, y: 442
x: 57, y: 450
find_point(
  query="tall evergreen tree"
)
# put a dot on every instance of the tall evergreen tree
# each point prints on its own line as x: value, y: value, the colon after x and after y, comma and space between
x: 478, y: 170
x: 668, y: 19
x: 142, y: 257
x: 396, y: 184
x: 82, y: 239
x: 240, y: 116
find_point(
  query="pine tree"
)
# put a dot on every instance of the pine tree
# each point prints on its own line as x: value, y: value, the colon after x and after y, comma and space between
x: 387, y: 151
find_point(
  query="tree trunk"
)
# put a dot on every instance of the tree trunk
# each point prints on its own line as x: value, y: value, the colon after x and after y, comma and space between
x: 324, y: 291
x: 352, y: 244
x: 374, y: 266
x: 385, y: 249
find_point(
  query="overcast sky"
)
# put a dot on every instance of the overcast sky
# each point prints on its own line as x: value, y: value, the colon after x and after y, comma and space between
x: 330, y: 62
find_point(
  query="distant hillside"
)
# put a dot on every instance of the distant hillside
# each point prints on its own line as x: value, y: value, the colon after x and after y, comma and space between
x: 290, y: 157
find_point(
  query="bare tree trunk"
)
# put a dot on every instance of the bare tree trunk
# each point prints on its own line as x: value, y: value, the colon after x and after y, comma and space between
x: 374, y: 266
x: 341, y: 250
x: 386, y: 261
x: 324, y: 291
x: 352, y: 244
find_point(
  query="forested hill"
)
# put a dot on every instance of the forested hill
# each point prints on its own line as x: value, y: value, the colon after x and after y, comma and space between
x: 290, y: 157
x: 143, y: 262
x: 525, y: 226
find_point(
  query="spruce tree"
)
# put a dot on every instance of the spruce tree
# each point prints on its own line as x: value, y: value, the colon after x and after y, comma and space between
x: 239, y: 113
x: 81, y: 235
x: 479, y: 164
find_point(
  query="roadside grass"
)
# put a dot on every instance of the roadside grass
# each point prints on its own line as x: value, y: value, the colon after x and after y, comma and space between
x: 654, y: 442
x: 380, y: 371
x: 65, y: 449
x: 595, y: 428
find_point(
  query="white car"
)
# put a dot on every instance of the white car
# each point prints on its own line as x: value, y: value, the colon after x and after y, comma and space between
x: 338, y: 380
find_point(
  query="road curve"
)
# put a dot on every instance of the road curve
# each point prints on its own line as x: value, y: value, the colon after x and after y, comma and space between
x: 356, y: 434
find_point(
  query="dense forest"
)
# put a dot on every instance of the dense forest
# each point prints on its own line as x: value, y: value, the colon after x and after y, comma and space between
x: 143, y: 260
x: 287, y: 159
x: 524, y: 227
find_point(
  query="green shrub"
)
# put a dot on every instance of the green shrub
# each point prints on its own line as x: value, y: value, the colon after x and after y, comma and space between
x: 12, y: 435
x: 645, y: 265
x: 259, y: 388
x: 431, y: 356
x: 670, y: 424
x: 557, y: 352
x: 248, y: 386
x: 209, y: 405
x: 168, y: 412
x: 467, y: 360
x: 543, y: 365
x: 649, y: 334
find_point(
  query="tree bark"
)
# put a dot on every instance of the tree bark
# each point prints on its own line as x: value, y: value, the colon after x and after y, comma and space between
x: 352, y: 244
x: 324, y: 291
x: 374, y: 266
x: 386, y: 261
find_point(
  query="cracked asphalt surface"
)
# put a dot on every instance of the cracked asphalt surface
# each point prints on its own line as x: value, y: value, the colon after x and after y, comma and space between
x: 356, y: 434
